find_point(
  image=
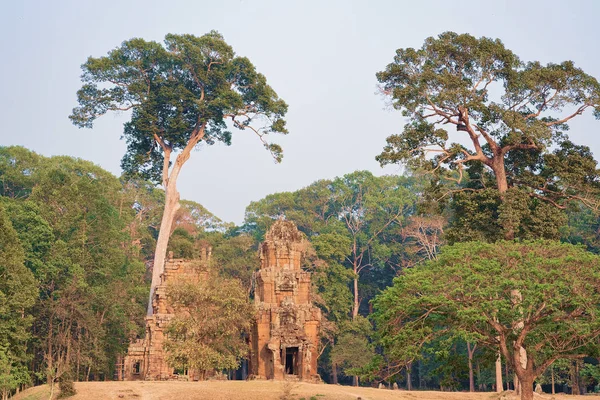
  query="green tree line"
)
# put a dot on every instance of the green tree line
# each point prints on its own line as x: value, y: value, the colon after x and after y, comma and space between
x: 79, y: 238
x: 77, y: 246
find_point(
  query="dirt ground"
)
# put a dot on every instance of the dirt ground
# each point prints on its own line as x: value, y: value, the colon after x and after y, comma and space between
x: 255, y: 390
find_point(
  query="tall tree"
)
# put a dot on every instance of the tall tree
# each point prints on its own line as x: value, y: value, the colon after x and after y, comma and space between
x: 536, y: 301
x: 353, y: 349
x: 180, y: 94
x: 507, y: 114
x: 18, y: 292
x: 367, y: 207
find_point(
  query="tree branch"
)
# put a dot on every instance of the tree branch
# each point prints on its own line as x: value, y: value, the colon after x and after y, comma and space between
x: 542, y: 107
x: 520, y: 146
x: 579, y: 111
x: 166, y: 159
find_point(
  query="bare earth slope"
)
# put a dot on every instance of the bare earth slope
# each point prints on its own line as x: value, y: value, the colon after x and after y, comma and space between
x: 251, y: 390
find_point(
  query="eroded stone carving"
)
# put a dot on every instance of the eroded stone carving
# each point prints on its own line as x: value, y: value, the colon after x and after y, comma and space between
x: 146, y: 358
x: 285, y: 336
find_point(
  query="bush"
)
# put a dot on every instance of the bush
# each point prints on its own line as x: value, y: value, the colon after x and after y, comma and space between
x: 67, y: 389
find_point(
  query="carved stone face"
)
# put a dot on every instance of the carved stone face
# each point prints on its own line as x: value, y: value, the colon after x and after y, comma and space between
x: 288, y: 312
x: 288, y: 317
x: 286, y: 282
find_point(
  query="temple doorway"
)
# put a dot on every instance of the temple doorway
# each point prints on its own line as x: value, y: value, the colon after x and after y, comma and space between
x: 291, y: 360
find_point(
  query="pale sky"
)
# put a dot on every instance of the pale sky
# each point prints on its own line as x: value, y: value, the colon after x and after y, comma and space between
x: 320, y: 57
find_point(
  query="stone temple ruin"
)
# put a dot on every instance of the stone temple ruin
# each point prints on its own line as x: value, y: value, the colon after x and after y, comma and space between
x: 146, y: 359
x: 285, y: 337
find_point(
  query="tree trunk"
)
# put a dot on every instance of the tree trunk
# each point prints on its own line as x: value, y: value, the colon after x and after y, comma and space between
x: 79, y: 358
x: 355, y: 381
x: 119, y: 368
x: 171, y: 204
x: 575, y: 390
x: 49, y: 374
x: 526, y: 385
x: 506, y: 376
x: 470, y: 352
x: 482, y: 386
x: 552, y: 378
x: 408, y: 377
x: 524, y: 369
x: 356, y: 302
x: 500, y: 173
x: 499, y: 169
x: 499, y: 385
x: 171, y: 207
x: 334, y: 374
x: 51, y: 391
x: 355, y: 308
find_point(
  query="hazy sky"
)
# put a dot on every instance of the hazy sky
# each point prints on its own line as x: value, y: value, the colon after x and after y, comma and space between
x: 320, y: 56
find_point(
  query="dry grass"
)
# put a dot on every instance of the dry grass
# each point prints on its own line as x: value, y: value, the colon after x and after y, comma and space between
x: 35, y: 393
x: 254, y: 390
x: 288, y: 390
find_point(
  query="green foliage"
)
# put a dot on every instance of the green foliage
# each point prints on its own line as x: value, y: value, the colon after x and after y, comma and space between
x: 67, y: 389
x: 485, y: 215
x: 87, y: 302
x: 591, y: 375
x: 511, y: 113
x: 35, y: 235
x: 582, y: 227
x: 446, y: 359
x: 330, y: 285
x: 12, y: 374
x: 353, y: 350
x: 18, y: 292
x: 470, y: 291
x: 234, y: 256
x: 17, y: 171
x: 175, y: 90
x: 77, y: 227
x: 194, y: 218
x: 208, y: 333
x: 181, y: 244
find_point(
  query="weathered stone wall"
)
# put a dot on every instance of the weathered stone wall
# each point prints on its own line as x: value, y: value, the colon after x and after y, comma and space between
x: 285, y: 335
x: 146, y: 359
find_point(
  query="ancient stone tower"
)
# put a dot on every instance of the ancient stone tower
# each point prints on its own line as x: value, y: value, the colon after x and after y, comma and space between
x: 285, y: 336
x: 146, y: 359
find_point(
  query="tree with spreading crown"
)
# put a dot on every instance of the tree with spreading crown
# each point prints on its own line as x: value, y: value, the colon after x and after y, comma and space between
x: 187, y: 91
x: 475, y: 110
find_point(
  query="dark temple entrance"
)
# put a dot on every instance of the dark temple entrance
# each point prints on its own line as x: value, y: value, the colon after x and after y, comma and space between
x: 291, y: 360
